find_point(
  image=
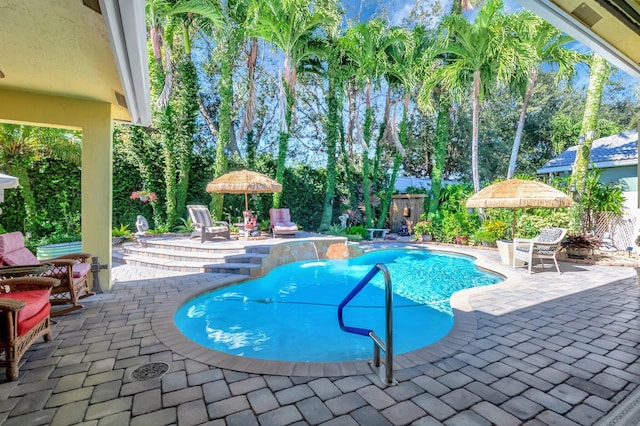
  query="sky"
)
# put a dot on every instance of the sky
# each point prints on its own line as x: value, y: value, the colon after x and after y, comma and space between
x: 397, y: 10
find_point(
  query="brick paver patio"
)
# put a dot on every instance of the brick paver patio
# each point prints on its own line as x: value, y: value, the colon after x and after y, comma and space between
x: 550, y: 349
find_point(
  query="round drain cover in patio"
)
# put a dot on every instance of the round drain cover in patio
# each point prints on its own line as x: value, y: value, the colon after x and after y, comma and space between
x: 150, y: 370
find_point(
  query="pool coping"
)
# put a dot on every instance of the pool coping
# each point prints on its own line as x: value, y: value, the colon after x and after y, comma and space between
x: 462, y: 332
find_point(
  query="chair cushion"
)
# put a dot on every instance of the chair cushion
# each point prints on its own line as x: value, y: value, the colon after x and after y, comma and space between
x: 10, y: 242
x: 545, y: 251
x: 200, y: 215
x: 35, y: 300
x: 216, y: 229
x: 20, y: 257
x: 289, y: 226
x: 26, y: 325
x: 548, y: 235
x: 280, y: 216
x: 80, y: 270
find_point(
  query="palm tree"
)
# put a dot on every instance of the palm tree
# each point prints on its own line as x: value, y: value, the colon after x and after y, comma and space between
x: 226, y: 21
x: 365, y: 44
x: 400, y: 74
x: 293, y: 26
x: 441, y: 98
x: 549, y: 44
x: 20, y: 146
x: 598, y: 76
x: 478, y: 55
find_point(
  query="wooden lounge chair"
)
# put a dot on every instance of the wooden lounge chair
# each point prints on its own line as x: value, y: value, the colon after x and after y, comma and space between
x: 205, y: 227
x: 71, y: 269
x: 544, y: 246
x: 281, y: 222
x: 25, y: 310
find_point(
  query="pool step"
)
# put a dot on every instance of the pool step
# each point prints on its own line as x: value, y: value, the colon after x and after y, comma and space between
x: 253, y: 270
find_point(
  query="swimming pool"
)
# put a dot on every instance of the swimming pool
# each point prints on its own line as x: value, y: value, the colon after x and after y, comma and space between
x: 291, y: 313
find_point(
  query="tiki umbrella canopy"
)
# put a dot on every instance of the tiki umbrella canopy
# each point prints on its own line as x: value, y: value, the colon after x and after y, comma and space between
x: 243, y: 182
x: 6, y: 182
x: 519, y: 193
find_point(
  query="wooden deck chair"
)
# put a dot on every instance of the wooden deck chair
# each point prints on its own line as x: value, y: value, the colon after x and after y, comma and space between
x: 205, y: 227
x: 544, y: 246
x: 281, y: 222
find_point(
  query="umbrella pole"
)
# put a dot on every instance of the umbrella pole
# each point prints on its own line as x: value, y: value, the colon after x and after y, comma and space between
x: 513, y: 225
x: 246, y: 202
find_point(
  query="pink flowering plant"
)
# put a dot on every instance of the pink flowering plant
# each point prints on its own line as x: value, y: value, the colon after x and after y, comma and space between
x: 144, y: 196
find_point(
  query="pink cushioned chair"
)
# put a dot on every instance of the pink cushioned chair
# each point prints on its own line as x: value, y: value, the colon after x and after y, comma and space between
x: 281, y: 222
x: 72, y: 270
x: 24, y: 316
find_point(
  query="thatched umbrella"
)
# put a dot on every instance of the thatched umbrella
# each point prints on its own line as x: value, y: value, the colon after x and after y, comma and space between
x: 6, y: 182
x: 243, y: 182
x: 519, y: 193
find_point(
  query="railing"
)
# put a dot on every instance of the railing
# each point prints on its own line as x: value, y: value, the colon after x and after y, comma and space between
x: 377, y: 343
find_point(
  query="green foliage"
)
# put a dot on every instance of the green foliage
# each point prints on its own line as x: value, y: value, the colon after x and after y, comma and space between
x: 533, y: 221
x: 415, y: 190
x: 496, y: 227
x: 336, y: 229
x: 423, y: 227
x: 354, y: 238
x: 460, y: 223
x: 186, y: 226
x: 264, y: 225
x: 121, y: 231
x: 357, y: 230
x: 159, y: 230
x: 491, y: 231
x: 454, y: 196
x: 601, y: 197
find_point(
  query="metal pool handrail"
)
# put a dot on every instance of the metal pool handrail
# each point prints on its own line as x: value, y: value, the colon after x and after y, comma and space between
x: 378, y: 344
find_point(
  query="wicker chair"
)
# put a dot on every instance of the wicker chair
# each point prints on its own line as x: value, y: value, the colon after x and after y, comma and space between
x: 24, y: 317
x: 544, y: 246
x: 72, y: 270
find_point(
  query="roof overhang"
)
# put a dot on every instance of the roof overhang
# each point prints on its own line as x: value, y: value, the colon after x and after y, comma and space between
x: 126, y: 26
x: 90, y: 50
x: 611, y: 28
x: 601, y: 165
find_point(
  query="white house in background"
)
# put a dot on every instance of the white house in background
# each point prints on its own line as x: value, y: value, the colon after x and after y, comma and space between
x: 617, y: 158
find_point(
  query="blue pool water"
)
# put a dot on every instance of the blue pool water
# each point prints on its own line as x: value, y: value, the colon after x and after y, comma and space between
x: 291, y: 313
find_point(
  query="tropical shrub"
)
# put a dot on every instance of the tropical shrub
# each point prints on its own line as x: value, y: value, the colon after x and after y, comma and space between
x: 336, y: 229
x: 461, y: 223
x: 357, y: 230
x: 186, y: 226
x: 491, y: 231
x: 121, y: 231
x: 533, y: 221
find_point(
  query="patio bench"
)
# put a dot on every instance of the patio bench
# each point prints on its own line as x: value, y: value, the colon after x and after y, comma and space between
x: 373, y: 231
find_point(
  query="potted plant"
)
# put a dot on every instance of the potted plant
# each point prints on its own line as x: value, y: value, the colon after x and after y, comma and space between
x: 144, y: 196
x: 422, y: 231
x: 490, y: 232
x: 578, y: 246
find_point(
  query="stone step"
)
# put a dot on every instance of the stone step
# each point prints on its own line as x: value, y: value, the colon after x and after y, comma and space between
x: 169, y: 264
x: 179, y: 255
x: 222, y: 247
x: 249, y: 269
x: 255, y: 258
